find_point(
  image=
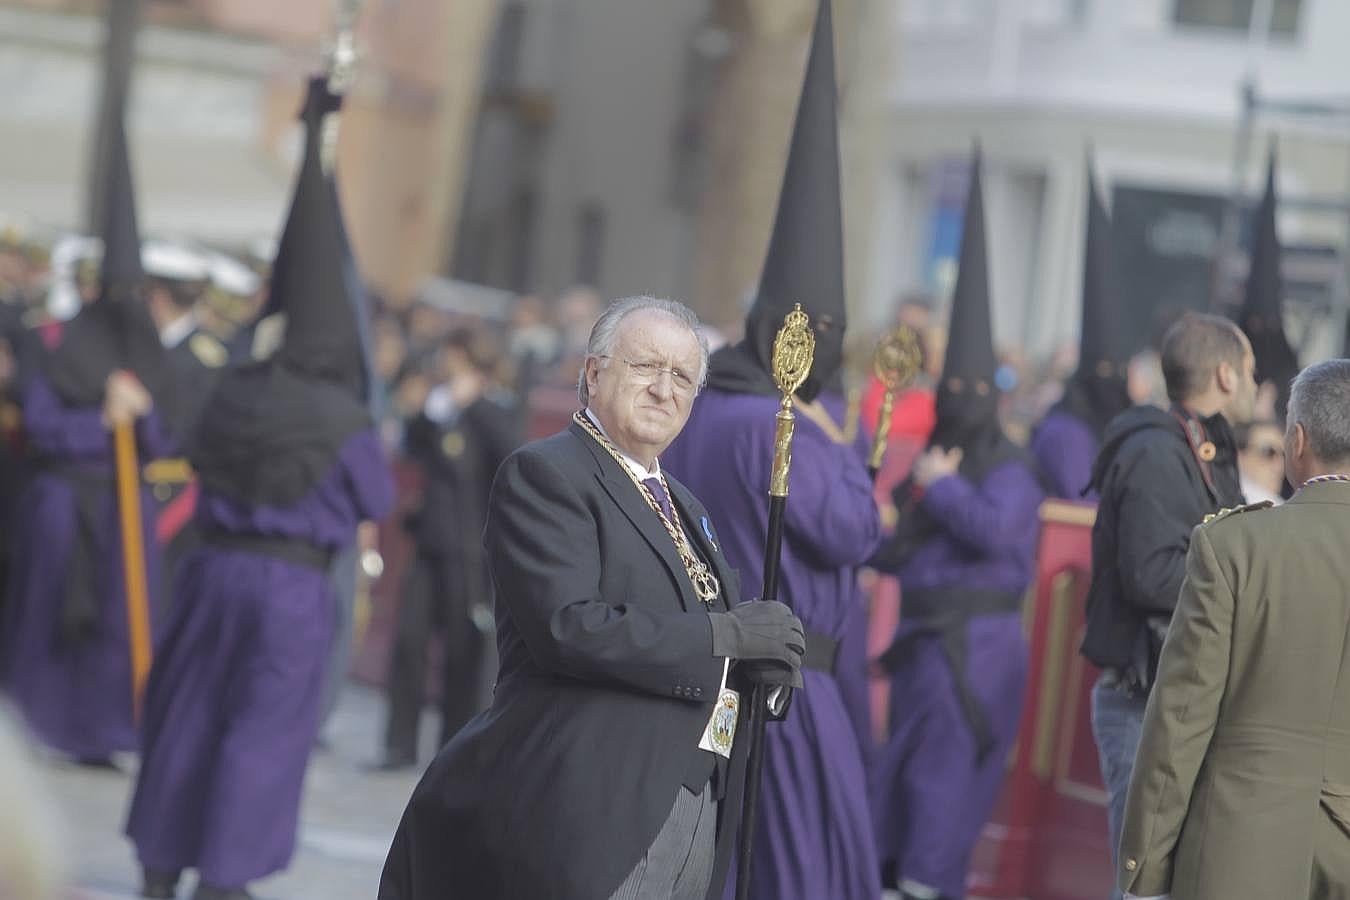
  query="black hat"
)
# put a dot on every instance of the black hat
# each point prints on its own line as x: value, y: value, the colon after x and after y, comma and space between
x: 1262, y: 315
x: 1104, y: 340
x: 314, y: 278
x: 805, y: 260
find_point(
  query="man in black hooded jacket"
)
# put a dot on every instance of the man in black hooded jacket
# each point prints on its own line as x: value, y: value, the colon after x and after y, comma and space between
x: 1159, y: 473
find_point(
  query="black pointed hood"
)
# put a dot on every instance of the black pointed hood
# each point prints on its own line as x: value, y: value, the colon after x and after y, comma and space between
x: 115, y: 331
x: 967, y: 396
x: 314, y: 277
x: 970, y: 339
x: 1098, y: 390
x: 805, y: 260
x: 1262, y: 315
x: 274, y: 429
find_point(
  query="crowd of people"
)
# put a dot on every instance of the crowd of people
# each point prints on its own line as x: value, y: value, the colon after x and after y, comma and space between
x: 608, y: 616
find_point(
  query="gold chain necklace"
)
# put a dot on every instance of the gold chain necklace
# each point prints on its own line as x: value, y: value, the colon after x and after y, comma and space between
x: 704, y: 581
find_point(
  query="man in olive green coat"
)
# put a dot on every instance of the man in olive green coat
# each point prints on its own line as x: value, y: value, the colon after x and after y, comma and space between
x: 1241, y: 788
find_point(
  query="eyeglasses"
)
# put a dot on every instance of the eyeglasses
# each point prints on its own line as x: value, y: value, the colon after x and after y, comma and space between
x: 650, y: 372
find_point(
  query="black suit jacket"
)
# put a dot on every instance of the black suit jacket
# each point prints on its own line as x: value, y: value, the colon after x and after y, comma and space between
x: 607, y: 679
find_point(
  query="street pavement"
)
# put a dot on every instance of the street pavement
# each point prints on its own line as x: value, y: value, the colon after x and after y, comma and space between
x: 347, y: 818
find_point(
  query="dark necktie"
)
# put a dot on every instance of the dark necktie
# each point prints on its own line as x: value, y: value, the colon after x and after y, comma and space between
x: 659, y: 492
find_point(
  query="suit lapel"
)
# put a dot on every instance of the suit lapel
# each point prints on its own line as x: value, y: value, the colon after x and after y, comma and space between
x: 626, y: 496
x: 699, y: 528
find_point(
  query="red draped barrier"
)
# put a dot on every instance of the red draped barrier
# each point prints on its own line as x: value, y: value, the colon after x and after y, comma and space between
x: 1048, y: 837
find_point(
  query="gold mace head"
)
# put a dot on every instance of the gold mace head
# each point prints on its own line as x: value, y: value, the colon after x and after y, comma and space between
x: 793, y: 350
x: 897, y: 358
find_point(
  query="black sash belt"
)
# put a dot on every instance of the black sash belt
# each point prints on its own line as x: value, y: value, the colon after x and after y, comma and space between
x: 821, y: 652
x: 292, y: 550
x: 943, y: 613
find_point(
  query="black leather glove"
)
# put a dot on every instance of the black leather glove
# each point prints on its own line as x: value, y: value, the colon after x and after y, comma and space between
x: 770, y: 674
x: 759, y: 630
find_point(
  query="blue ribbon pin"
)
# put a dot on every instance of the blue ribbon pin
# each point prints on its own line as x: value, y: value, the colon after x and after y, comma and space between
x: 707, y: 531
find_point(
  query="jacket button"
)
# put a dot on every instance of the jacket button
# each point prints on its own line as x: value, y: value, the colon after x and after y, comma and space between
x: 698, y: 692
x: 1131, y: 865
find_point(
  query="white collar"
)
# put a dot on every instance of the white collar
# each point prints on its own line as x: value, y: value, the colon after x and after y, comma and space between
x: 177, y: 331
x: 637, y: 468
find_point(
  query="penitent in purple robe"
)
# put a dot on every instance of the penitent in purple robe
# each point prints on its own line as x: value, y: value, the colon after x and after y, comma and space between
x: 71, y: 676
x: 814, y: 838
x: 1065, y: 448
x: 933, y: 793
x: 232, y: 706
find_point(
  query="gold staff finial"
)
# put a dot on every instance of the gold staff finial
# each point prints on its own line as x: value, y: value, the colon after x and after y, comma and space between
x: 895, y: 362
x: 794, y: 348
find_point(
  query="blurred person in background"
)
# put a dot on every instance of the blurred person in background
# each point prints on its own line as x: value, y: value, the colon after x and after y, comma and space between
x: 1261, y: 461
x: 1066, y: 442
x: 466, y: 427
x: 532, y: 342
x: 289, y: 464
x: 574, y: 311
x: 117, y: 362
x: 231, y: 300
x: 176, y: 279
x: 964, y: 549
x: 390, y: 353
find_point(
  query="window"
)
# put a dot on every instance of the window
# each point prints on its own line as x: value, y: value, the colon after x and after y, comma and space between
x: 590, y: 243
x: 1236, y: 15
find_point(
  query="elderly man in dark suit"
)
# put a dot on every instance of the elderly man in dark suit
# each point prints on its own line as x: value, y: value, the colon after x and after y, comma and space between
x: 608, y: 764
x: 1241, y: 789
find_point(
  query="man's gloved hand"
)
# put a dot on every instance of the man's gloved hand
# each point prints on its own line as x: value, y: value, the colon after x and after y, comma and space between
x: 770, y: 674
x: 759, y: 630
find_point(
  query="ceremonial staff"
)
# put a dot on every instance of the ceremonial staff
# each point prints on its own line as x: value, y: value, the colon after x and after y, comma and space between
x: 793, y: 351
x: 896, y: 361
x: 133, y: 558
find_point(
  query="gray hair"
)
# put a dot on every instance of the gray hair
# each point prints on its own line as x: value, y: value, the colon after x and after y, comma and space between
x: 606, y: 331
x: 1320, y: 402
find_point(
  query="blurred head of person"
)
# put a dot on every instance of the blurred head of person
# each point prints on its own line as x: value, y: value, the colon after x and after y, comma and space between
x: 1209, y: 368
x: 390, y: 348
x: 1261, y: 459
x: 1317, y: 437
x: 577, y: 309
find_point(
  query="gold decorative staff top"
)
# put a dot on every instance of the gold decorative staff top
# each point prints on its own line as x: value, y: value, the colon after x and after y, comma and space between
x: 895, y: 362
x: 794, y: 349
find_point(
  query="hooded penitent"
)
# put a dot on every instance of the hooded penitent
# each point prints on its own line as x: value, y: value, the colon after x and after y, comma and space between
x: 967, y: 397
x: 1262, y: 316
x: 1098, y: 391
x: 273, y: 429
x: 115, y: 331
x: 805, y: 261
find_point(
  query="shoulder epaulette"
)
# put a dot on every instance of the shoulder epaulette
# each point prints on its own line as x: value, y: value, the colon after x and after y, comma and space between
x: 209, y: 351
x: 1226, y: 512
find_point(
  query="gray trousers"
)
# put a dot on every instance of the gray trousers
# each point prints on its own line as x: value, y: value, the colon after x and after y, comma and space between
x: 679, y: 863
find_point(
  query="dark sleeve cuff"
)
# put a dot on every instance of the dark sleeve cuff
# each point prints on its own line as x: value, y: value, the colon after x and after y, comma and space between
x: 723, y: 634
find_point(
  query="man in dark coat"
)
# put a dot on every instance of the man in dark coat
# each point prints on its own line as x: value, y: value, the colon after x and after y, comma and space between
x: 459, y: 440
x: 608, y: 764
x: 1160, y: 472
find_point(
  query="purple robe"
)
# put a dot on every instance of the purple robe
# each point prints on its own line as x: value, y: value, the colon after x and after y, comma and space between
x: 814, y: 838
x: 232, y: 707
x: 933, y: 794
x: 74, y: 689
x: 1065, y: 449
